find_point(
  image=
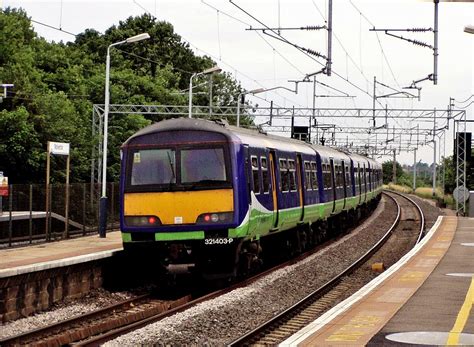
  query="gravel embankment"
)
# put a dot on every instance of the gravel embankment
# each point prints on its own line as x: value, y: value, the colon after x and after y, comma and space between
x: 224, y: 319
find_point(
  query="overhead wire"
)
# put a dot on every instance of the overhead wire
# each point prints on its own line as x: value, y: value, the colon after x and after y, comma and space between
x: 463, y: 102
x: 379, y: 42
x: 302, y: 51
x: 52, y: 27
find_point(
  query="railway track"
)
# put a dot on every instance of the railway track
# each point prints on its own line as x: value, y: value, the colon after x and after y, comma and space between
x: 96, y: 322
x: 309, y: 308
x: 106, y: 324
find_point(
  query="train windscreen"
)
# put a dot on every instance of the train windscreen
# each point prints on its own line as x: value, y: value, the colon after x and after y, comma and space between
x: 203, y: 165
x: 153, y: 166
x: 168, y: 169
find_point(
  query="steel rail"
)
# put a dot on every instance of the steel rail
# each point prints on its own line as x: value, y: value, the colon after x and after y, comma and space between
x: 288, y: 313
x: 35, y: 333
x: 100, y: 339
x: 420, y: 212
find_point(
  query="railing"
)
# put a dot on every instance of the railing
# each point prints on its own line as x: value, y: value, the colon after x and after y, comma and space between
x: 25, y: 218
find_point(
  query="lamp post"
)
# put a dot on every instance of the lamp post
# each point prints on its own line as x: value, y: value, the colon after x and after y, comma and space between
x: 205, y: 72
x: 257, y: 91
x: 103, y: 199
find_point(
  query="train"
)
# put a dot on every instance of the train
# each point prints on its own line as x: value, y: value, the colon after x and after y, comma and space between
x: 206, y: 197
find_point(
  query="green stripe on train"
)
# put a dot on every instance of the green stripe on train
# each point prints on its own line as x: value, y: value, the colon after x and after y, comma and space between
x: 182, y: 235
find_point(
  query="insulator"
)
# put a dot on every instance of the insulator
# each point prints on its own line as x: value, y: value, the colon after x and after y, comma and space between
x: 310, y: 51
x: 314, y: 27
x: 416, y: 42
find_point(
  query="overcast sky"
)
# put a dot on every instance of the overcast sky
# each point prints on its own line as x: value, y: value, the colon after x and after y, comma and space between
x: 218, y: 28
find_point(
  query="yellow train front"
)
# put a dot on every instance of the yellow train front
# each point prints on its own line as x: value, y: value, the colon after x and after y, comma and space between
x: 178, y: 196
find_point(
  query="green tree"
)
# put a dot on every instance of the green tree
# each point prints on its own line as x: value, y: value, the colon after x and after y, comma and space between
x: 387, y: 168
x: 20, y: 148
x: 56, y: 85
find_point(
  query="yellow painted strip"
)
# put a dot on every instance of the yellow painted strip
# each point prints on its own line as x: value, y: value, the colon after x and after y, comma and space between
x: 178, y: 207
x: 463, y: 315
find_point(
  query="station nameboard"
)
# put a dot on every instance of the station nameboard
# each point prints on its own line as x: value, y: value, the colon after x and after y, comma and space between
x: 59, y: 148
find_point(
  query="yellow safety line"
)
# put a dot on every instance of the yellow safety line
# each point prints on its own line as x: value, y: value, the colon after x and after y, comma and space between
x: 463, y: 315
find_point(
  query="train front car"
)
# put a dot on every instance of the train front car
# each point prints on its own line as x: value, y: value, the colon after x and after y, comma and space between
x: 180, y: 197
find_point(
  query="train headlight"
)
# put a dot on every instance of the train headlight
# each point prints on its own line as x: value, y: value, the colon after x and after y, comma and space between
x: 142, y: 221
x: 215, y: 218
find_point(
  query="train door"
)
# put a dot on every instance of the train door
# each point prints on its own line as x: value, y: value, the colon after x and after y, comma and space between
x: 344, y: 182
x: 299, y: 182
x: 364, y: 182
x: 273, y: 187
x: 247, y: 172
x: 359, y: 184
x: 333, y: 184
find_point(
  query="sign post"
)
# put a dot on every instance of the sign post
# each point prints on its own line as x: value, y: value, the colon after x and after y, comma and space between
x: 3, y: 190
x: 57, y: 148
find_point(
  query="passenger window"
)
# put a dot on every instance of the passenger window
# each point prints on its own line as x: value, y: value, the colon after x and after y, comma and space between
x: 255, y: 176
x: 314, y: 177
x: 327, y: 176
x: 338, y: 175
x: 307, y: 173
x: 284, y: 176
x: 348, y: 177
x: 292, y: 174
x: 265, y: 175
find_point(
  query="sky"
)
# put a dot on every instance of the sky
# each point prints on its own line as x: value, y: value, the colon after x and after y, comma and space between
x: 219, y: 28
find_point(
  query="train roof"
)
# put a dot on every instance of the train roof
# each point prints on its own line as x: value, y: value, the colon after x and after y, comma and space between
x: 247, y: 136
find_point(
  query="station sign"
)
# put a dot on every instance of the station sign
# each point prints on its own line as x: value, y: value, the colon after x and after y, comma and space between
x: 59, y: 148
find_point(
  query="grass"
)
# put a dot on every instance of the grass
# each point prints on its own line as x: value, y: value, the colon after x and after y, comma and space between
x: 399, y: 188
x: 423, y: 192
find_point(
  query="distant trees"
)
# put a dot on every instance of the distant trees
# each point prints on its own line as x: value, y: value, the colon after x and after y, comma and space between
x: 446, y: 174
x: 56, y: 85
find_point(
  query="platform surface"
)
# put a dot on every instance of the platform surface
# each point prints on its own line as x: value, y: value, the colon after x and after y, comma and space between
x: 413, y: 302
x: 15, y: 261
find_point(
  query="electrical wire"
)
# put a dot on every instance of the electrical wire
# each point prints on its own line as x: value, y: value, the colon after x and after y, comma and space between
x: 463, y: 102
x: 300, y: 49
x: 51, y: 27
x: 464, y: 107
x: 378, y: 39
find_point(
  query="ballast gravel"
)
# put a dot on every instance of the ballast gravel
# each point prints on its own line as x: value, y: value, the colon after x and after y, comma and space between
x: 95, y: 300
x: 222, y: 320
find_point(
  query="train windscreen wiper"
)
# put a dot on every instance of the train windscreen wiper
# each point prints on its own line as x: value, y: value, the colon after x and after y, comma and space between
x: 172, y: 169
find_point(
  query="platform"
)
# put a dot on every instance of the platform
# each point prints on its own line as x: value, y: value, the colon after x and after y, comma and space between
x: 425, y: 298
x: 32, y: 258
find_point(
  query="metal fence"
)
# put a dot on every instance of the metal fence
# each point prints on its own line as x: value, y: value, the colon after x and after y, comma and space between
x: 73, y: 211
